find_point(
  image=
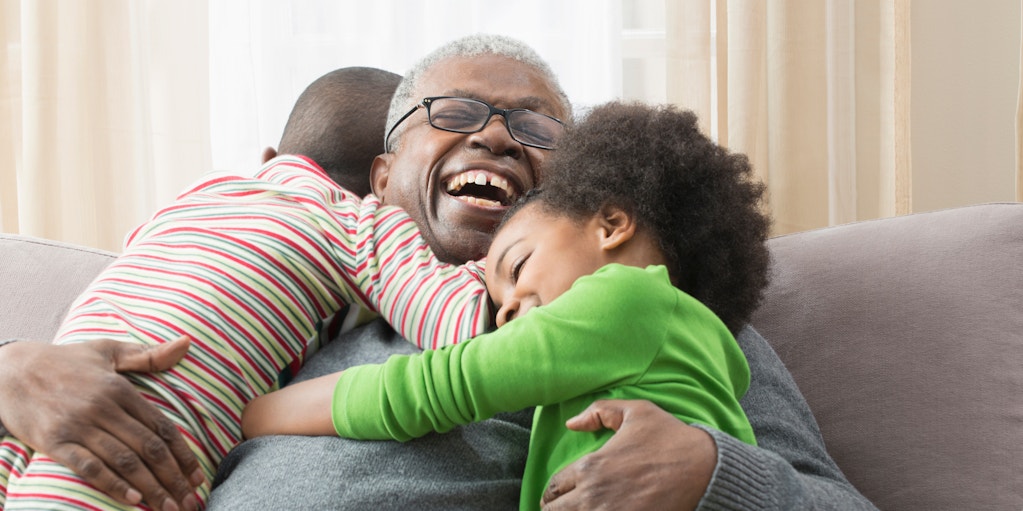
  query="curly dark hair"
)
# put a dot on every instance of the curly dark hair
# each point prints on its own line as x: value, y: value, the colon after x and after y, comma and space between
x: 700, y: 201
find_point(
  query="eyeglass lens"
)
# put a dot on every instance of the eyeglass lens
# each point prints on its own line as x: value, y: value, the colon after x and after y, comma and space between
x: 469, y: 116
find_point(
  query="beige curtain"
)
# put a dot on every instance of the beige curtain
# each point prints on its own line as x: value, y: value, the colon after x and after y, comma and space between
x: 103, y: 113
x: 815, y: 93
x: 1019, y: 122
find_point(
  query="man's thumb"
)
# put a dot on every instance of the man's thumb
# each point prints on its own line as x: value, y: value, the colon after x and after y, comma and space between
x: 133, y: 357
x: 597, y: 416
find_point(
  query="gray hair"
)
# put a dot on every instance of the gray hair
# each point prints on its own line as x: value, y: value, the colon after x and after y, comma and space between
x: 468, y: 46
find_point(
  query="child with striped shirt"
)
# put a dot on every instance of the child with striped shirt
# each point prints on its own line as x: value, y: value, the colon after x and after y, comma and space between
x: 251, y: 269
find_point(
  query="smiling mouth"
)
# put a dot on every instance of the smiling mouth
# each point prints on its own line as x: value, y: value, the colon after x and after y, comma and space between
x: 482, y: 189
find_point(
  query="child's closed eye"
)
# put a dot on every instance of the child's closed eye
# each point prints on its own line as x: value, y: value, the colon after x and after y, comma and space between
x: 516, y: 268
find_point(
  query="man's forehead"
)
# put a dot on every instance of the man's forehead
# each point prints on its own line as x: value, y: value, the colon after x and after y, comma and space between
x: 497, y: 79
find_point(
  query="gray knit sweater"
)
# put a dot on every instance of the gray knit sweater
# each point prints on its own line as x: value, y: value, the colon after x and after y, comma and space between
x: 478, y: 467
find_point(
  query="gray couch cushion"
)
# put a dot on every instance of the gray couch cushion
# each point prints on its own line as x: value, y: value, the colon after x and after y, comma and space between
x: 38, y: 281
x: 906, y: 336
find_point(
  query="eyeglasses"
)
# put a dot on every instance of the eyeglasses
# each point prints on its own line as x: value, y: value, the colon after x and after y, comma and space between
x: 464, y: 115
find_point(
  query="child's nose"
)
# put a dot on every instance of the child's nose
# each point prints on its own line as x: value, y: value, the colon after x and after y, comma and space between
x: 507, y: 312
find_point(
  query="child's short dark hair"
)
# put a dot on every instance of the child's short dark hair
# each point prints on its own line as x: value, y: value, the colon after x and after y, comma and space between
x: 696, y: 198
x: 338, y: 121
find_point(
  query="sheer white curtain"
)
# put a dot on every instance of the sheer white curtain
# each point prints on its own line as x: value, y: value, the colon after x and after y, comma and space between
x: 263, y: 53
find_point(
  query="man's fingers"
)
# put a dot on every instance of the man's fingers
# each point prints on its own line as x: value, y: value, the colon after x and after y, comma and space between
x: 160, y: 461
x: 153, y: 458
x: 161, y: 447
x: 75, y: 408
x: 562, y: 483
x: 117, y: 462
x: 136, y: 357
x: 96, y: 471
x: 159, y: 443
x: 601, y: 414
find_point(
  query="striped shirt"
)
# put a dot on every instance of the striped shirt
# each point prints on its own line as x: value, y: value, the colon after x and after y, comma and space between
x: 253, y: 268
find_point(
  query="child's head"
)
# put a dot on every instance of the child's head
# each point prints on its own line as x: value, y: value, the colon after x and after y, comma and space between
x: 538, y: 253
x: 657, y: 191
x: 338, y: 122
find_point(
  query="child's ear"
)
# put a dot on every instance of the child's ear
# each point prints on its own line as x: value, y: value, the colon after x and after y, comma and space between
x: 268, y: 154
x: 617, y: 226
x: 378, y: 174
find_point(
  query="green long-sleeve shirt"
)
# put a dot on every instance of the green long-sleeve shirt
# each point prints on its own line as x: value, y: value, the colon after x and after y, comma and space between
x: 621, y: 333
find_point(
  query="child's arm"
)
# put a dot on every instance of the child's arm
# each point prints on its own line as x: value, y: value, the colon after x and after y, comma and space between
x: 378, y: 259
x: 302, y: 408
x: 594, y: 337
x: 430, y: 303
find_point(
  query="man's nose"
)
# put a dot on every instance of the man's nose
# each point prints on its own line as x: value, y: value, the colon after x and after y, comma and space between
x: 496, y: 137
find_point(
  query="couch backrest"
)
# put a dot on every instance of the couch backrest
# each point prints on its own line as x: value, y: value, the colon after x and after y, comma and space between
x: 38, y: 281
x: 906, y: 337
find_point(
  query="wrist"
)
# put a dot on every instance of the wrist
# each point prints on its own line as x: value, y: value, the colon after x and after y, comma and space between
x: 742, y: 474
x: 5, y: 342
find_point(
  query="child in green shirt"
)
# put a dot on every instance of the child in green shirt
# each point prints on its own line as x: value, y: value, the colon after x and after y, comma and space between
x: 622, y: 277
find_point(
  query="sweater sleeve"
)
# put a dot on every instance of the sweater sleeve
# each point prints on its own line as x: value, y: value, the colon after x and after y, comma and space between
x: 790, y: 468
x: 570, y: 347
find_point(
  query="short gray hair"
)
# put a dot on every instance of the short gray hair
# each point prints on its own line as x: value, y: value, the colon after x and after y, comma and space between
x: 469, y: 46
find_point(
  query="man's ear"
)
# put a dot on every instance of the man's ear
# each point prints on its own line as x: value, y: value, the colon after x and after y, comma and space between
x: 379, y: 171
x: 268, y: 154
x: 617, y: 226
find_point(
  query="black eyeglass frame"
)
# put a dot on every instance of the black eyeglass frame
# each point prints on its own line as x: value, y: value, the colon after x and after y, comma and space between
x: 503, y: 112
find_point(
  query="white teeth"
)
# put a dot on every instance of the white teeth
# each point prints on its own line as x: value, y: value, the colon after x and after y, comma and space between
x: 478, y: 201
x: 481, y: 179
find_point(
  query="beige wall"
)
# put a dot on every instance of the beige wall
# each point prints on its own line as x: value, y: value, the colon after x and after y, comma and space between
x: 965, y: 74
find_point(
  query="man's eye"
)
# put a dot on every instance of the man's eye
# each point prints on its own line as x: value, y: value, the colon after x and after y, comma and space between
x: 455, y: 118
x: 537, y: 130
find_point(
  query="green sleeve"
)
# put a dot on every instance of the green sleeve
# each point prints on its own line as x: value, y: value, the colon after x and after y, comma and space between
x: 591, y: 338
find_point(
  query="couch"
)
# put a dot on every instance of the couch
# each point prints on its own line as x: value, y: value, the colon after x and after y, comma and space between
x: 905, y: 334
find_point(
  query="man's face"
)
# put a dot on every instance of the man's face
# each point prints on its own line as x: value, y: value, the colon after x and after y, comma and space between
x: 430, y: 172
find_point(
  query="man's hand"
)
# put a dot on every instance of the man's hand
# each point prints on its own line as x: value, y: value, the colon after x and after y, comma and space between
x: 653, y: 461
x: 69, y: 403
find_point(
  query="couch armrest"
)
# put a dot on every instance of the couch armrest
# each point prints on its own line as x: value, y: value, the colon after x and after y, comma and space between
x: 38, y: 281
x: 905, y: 335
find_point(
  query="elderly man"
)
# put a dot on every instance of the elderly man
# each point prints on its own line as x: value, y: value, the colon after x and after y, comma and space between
x: 455, y: 179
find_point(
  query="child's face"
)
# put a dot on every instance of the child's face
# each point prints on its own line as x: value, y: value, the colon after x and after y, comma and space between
x: 536, y: 257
